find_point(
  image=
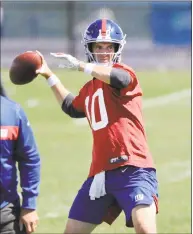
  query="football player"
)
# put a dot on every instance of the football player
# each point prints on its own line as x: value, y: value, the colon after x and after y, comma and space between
x: 122, y: 174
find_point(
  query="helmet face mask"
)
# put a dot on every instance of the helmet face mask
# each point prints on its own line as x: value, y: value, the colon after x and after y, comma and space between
x: 104, y: 30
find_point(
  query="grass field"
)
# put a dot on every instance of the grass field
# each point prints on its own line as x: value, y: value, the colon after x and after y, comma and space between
x: 65, y: 147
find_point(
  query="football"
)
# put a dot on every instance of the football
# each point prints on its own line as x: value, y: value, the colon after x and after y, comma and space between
x: 24, y: 66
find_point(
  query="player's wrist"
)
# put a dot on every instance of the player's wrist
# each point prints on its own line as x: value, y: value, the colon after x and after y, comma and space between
x: 48, y: 73
x: 52, y: 80
x: 47, y: 76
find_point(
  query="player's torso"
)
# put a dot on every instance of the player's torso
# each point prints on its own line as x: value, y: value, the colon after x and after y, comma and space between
x: 107, y: 109
x: 117, y: 126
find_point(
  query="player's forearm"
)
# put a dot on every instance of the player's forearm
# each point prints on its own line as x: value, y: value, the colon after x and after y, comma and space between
x: 63, y: 96
x: 60, y: 92
x: 99, y: 72
x: 58, y: 89
x: 117, y: 78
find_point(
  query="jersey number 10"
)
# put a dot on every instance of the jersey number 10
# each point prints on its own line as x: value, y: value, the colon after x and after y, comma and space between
x: 103, y: 112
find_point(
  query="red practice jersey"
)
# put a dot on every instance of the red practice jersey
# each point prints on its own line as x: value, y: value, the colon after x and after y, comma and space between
x: 115, y: 117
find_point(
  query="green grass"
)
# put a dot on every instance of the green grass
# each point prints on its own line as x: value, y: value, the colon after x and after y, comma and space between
x: 65, y: 149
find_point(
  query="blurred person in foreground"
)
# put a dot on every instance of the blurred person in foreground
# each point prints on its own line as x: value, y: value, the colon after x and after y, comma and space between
x: 17, y: 146
x: 122, y: 175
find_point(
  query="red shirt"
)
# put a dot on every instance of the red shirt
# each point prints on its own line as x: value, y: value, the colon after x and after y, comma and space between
x: 115, y: 117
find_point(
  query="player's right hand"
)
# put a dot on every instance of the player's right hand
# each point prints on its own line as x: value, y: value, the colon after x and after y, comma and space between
x: 45, y: 71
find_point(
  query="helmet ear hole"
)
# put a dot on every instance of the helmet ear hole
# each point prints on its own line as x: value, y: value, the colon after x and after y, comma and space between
x: 116, y: 46
x: 90, y: 47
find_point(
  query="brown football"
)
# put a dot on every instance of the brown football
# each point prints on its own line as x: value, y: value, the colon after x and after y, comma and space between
x: 24, y: 66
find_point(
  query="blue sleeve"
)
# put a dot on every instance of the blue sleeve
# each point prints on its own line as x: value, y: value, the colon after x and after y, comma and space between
x: 28, y: 162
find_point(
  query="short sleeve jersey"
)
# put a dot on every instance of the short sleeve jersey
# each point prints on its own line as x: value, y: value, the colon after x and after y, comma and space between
x: 115, y: 117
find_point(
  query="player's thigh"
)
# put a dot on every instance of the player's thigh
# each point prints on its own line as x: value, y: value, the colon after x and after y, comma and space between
x: 75, y: 226
x: 88, y: 212
x: 144, y: 219
x: 131, y: 198
x: 134, y: 186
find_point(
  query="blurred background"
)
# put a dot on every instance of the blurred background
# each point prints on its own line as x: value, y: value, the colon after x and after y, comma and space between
x: 155, y: 30
x: 159, y: 50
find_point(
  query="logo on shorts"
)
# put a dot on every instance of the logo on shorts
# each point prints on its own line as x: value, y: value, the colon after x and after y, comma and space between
x: 139, y: 197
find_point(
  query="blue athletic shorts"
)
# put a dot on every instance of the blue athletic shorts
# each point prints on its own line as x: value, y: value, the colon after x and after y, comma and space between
x: 128, y: 186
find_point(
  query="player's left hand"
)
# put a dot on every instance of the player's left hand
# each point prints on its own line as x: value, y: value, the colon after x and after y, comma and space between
x: 67, y: 61
x: 29, y: 218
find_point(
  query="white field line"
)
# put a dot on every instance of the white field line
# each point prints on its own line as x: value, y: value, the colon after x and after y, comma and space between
x: 147, y: 103
x: 153, y: 102
x: 182, y: 176
x: 174, y: 172
x: 166, y: 99
x: 33, y: 102
x: 58, y: 211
